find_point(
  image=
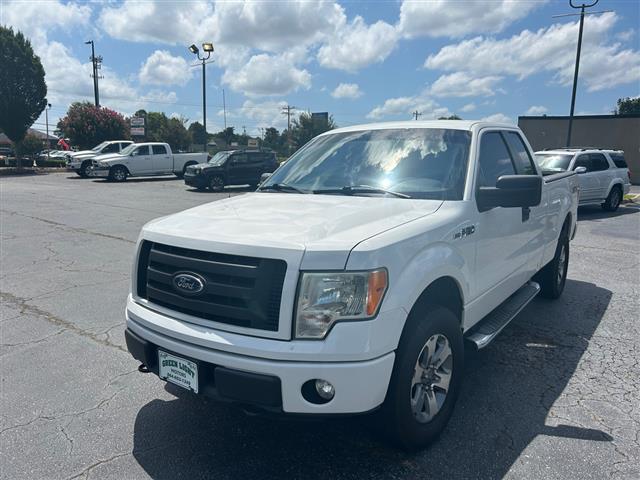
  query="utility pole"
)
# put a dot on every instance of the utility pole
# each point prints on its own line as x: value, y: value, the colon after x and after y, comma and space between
x: 417, y: 114
x: 46, y: 116
x: 224, y: 109
x: 244, y: 129
x: 287, y: 110
x: 96, y: 63
x: 579, y: 49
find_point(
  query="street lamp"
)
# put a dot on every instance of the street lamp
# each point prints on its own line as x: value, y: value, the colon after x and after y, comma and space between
x: 95, y: 65
x: 208, y: 48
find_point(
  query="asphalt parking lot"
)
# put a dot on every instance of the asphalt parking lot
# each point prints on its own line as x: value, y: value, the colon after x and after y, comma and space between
x: 557, y: 395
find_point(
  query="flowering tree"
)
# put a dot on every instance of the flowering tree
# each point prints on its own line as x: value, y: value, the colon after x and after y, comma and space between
x: 87, y: 125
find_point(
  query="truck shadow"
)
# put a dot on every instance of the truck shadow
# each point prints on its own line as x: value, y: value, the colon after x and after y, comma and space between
x: 504, y: 405
x: 591, y: 213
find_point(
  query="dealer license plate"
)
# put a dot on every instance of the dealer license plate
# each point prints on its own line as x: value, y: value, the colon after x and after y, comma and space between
x: 179, y: 371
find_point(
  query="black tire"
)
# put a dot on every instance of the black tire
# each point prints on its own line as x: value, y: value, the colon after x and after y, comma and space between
x: 401, y: 422
x: 83, y: 169
x: 184, y: 169
x: 613, y: 200
x: 553, y: 276
x: 78, y: 173
x: 216, y: 183
x: 117, y: 174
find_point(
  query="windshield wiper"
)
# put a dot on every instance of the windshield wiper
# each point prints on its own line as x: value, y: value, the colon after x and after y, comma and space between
x: 354, y: 189
x: 282, y: 187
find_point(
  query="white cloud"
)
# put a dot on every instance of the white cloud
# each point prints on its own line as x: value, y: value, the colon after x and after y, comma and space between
x: 35, y: 20
x: 403, y: 107
x: 536, y: 110
x: 265, y: 74
x: 450, y: 18
x: 162, y: 68
x: 357, y: 45
x: 263, y: 114
x: 549, y: 49
x: 347, y: 90
x: 500, y: 118
x: 469, y: 107
x: 461, y: 84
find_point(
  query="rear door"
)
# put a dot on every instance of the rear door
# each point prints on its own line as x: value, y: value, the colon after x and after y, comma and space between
x: 140, y: 161
x: 162, y: 161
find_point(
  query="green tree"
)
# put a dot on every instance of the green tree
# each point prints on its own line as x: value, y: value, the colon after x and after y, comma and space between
x: 177, y: 136
x: 198, y: 134
x: 451, y: 117
x: 304, y: 128
x: 87, y: 125
x: 28, y: 146
x: 628, y: 106
x: 156, y: 126
x: 23, y: 90
x: 272, y: 139
x: 228, y: 135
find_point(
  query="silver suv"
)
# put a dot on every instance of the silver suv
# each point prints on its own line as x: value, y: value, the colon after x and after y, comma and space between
x: 603, y: 174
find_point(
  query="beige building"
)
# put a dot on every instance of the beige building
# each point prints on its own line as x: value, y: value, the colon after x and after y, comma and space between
x: 618, y: 132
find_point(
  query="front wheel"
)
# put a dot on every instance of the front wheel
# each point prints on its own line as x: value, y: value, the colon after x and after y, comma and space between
x: 84, y: 169
x: 216, y: 183
x: 118, y: 174
x: 426, y: 378
x: 613, y: 200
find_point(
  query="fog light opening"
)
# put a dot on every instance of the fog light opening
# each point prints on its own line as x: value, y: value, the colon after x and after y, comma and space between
x: 318, y: 391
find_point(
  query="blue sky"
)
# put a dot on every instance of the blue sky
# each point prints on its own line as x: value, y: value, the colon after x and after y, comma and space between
x: 360, y: 61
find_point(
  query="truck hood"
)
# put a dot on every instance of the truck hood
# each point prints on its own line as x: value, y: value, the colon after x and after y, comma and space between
x: 321, y: 228
x: 108, y: 157
x: 82, y: 153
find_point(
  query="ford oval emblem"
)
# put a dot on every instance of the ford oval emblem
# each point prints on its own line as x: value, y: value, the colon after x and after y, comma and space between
x: 188, y: 283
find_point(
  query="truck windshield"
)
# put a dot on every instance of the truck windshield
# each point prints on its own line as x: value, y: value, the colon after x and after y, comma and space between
x: 557, y: 162
x: 219, y: 158
x: 427, y: 163
x: 97, y: 148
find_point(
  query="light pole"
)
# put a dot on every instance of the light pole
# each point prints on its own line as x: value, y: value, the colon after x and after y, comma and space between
x: 575, y: 73
x: 46, y: 116
x: 208, y: 48
x: 95, y: 61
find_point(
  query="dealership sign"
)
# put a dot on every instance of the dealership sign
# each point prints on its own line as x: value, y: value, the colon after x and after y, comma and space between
x: 139, y: 131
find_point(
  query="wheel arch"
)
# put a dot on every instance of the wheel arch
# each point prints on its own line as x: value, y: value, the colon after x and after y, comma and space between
x: 188, y: 164
x: 444, y: 291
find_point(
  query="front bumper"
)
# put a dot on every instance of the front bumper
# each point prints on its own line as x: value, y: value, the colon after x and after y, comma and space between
x: 198, y: 181
x: 360, y: 386
x: 98, y: 171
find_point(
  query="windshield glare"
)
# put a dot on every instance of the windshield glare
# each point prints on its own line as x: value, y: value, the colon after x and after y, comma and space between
x: 422, y: 163
x: 99, y: 147
x: 219, y: 158
x: 557, y: 162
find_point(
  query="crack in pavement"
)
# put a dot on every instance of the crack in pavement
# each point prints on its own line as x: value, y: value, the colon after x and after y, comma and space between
x: 24, y: 307
x: 69, y: 228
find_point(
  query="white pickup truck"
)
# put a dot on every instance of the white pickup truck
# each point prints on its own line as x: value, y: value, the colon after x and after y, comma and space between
x: 144, y: 160
x: 80, y: 162
x: 349, y: 281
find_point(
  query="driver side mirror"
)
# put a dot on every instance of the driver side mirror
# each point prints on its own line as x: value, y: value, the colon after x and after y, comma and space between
x: 580, y: 170
x: 511, y: 191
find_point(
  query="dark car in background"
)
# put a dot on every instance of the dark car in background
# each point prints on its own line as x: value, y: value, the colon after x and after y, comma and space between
x: 234, y: 167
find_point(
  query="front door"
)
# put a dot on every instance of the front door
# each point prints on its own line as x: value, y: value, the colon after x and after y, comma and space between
x: 589, y: 183
x: 140, y: 161
x: 502, y: 234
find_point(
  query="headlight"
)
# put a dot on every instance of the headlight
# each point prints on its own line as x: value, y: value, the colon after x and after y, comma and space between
x: 196, y: 171
x: 326, y: 298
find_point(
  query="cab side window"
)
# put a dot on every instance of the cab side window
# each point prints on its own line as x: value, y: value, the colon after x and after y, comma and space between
x: 143, y: 150
x: 495, y: 160
x: 113, y: 148
x: 583, y: 161
x: 520, y: 154
x: 159, y: 149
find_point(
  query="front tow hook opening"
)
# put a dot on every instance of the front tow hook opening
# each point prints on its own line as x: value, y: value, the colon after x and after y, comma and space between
x: 142, y: 368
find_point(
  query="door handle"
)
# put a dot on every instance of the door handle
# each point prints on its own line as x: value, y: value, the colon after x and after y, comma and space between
x: 526, y: 213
